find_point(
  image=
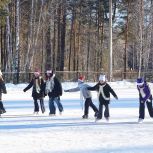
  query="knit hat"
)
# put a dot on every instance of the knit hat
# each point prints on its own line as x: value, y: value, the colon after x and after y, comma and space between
x: 49, y: 72
x: 102, y: 78
x: 140, y: 81
x: 81, y: 78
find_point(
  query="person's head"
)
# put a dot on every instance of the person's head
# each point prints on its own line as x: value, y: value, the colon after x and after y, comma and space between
x: 140, y: 82
x: 81, y: 79
x: 49, y: 73
x: 102, y: 78
x: 37, y: 73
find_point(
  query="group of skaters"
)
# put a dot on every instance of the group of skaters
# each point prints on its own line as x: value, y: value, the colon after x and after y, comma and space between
x: 51, y: 87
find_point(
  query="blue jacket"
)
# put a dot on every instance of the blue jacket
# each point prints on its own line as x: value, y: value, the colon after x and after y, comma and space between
x: 82, y: 87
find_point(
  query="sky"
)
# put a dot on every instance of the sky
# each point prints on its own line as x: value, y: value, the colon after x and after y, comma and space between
x: 23, y: 132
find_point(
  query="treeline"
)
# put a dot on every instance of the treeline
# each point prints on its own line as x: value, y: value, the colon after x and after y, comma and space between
x: 73, y: 35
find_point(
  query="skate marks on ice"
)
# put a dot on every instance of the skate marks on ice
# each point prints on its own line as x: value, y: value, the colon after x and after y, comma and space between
x: 29, y: 121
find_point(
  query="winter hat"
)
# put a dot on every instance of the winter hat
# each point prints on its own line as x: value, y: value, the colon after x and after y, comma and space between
x: 81, y: 78
x: 140, y: 81
x: 50, y: 72
x: 102, y: 78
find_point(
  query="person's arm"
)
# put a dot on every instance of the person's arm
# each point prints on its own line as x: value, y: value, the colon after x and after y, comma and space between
x: 29, y: 86
x: 147, y: 93
x: 93, y: 88
x: 112, y: 92
x: 59, y: 86
x: 73, y: 89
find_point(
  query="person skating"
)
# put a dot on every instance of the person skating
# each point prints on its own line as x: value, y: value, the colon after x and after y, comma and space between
x: 37, y: 83
x: 2, y: 90
x: 82, y: 87
x: 104, y: 90
x: 145, y: 97
x: 53, y: 89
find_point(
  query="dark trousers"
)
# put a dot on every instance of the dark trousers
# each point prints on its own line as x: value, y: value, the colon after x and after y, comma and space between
x: 106, y: 111
x: 2, y: 109
x: 88, y: 102
x: 36, y: 106
x: 52, y: 108
x: 142, y: 109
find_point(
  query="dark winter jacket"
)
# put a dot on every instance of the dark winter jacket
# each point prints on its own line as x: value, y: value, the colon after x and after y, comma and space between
x: 144, y: 92
x: 2, y: 88
x: 104, y: 91
x: 37, y: 91
x: 57, y: 89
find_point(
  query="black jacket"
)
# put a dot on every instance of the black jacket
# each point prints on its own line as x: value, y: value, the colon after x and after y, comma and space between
x: 104, y: 95
x: 2, y: 88
x: 57, y: 90
x: 35, y: 93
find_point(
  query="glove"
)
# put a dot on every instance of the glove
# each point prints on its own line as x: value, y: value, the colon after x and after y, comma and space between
x: 24, y: 90
x: 66, y: 90
x: 148, y: 100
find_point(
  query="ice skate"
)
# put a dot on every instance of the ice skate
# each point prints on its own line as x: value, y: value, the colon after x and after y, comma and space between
x: 96, y: 114
x: 51, y: 114
x: 140, y: 120
x: 60, y: 113
x: 36, y: 113
x: 107, y: 119
x: 97, y: 119
x: 85, y: 117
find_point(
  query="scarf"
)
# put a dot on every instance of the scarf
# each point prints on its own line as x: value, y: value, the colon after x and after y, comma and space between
x: 101, y: 91
x: 37, y: 83
x: 142, y: 92
x: 49, y: 84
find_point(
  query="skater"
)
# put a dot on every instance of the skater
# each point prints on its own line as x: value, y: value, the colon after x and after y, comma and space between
x: 37, y: 83
x: 53, y: 89
x: 2, y: 90
x: 82, y: 87
x: 104, y: 90
x: 145, y: 96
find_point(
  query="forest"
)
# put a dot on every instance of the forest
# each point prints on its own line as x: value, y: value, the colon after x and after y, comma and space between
x: 72, y: 38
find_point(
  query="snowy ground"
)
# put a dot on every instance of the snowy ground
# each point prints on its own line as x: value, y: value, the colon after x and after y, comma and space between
x: 23, y: 132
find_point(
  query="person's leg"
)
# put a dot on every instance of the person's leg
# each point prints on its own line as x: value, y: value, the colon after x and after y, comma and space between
x: 87, y: 104
x: 93, y: 107
x: 100, y: 112
x: 36, y: 106
x: 141, y: 110
x: 59, y: 104
x: 42, y: 105
x: 150, y: 108
x: 52, y: 109
x: 106, y: 112
x: 2, y: 109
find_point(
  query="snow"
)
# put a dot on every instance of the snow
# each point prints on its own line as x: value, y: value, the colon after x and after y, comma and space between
x: 23, y: 132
